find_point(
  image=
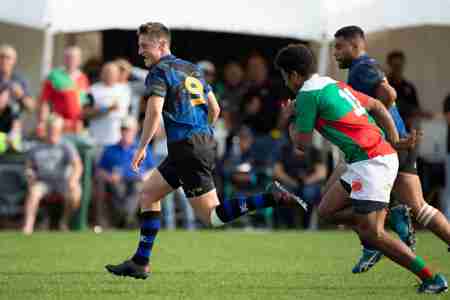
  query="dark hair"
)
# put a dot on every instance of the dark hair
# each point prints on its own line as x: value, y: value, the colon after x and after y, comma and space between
x: 395, y: 54
x: 350, y: 32
x: 296, y: 57
x: 446, y: 104
x: 155, y: 30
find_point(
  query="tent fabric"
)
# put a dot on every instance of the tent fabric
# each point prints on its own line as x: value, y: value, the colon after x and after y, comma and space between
x: 309, y: 20
x: 291, y: 19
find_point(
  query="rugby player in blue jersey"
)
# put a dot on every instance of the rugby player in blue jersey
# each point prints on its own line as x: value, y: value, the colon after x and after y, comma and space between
x: 179, y: 93
x: 366, y: 76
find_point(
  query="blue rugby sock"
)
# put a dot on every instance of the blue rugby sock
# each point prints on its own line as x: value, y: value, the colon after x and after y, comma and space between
x: 150, y: 224
x: 232, y: 209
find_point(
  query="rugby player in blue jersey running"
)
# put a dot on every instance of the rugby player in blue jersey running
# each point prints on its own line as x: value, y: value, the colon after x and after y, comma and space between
x: 179, y: 93
x: 366, y: 76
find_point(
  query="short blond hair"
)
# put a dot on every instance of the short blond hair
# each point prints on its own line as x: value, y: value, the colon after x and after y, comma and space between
x: 155, y: 30
x: 123, y: 64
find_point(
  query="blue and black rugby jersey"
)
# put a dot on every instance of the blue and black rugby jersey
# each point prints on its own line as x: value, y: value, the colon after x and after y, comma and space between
x: 185, y: 92
x: 364, y: 75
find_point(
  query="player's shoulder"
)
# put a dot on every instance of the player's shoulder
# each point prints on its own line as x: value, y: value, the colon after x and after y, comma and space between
x: 368, y: 65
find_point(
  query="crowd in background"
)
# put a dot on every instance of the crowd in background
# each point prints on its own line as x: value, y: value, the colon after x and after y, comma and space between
x: 71, y: 113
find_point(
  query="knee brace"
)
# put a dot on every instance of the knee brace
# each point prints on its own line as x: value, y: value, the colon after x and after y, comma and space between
x: 426, y: 213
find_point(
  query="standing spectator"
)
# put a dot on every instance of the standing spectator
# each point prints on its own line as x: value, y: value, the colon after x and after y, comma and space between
x: 118, y: 179
x: 302, y: 172
x: 20, y: 93
x: 230, y: 92
x: 257, y: 73
x: 209, y: 71
x: 65, y: 92
x: 9, y: 121
x: 110, y: 103
x: 125, y: 72
x: 52, y: 167
x: 407, y: 101
x: 445, y: 199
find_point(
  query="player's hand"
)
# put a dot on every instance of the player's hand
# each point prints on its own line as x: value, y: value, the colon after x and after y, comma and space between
x: 408, y: 142
x: 288, y: 108
x: 138, y: 157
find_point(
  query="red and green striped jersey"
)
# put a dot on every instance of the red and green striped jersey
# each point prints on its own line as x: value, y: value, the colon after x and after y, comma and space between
x: 338, y: 113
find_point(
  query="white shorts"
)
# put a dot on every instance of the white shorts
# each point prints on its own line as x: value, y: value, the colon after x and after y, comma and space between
x: 372, y: 179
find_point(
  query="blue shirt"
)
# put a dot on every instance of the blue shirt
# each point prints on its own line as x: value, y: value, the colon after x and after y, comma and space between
x: 364, y: 75
x: 185, y: 92
x: 118, y: 158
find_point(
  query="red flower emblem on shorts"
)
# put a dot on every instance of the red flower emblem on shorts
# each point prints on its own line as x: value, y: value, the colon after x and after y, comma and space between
x: 356, y: 186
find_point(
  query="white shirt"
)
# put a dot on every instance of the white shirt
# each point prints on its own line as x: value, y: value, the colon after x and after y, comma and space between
x: 105, y: 130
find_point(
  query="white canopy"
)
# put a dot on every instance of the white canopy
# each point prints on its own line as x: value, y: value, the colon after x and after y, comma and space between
x: 293, y: 18
x: 303, y: 19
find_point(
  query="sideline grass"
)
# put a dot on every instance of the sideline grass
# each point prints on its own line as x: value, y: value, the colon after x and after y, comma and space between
x: 205, y: 265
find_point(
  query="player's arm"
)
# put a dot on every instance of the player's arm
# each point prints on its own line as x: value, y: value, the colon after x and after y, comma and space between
x: 383, y: 118
x: 301, y: 129
x: 213, y: 108
x: 152, y: 120
x: 386, y: 93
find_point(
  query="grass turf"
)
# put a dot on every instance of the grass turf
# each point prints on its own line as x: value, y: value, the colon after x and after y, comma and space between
x: 205, y: 265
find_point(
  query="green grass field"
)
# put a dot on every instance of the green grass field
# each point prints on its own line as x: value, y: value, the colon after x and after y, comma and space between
x: 205, y: 265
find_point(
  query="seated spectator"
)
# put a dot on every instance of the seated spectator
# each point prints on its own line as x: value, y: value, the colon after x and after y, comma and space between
x: 53, y: 167
x: 301, y: 172
x: 110, y: 103
x: 20, y: 94
x: 117, y: 178
x: 65, y: 92
x: 9, y: 122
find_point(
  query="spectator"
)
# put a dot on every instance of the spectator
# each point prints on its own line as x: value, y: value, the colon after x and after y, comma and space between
x: 407, y: 101
x: 116, y: 177
x: 445, y: 199
x: 302, y: 172
x: 134, y: 88
x: 257, y: 73
x: 9, y: 122
x: 209, y: 70
x: 20, y: 93
x: 109, y: 105
x: 52, y: 167
x: 65, y: 92
x: 230, y: 93
x: 252, y: 113
x: 239, y: 162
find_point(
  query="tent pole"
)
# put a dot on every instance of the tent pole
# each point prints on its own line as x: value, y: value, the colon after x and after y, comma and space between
x: 47, y: 52
x: 324, y: 55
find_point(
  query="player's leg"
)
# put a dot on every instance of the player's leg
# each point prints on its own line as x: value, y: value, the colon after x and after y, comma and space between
x: 399, y: 217
x: 214, y: 213
x: 36, y: 192
x: 371, y: 228
x: 72, y: 200
x: 335, y: 206
x: 156, y: 186
x: 399, y: 220
x: 409, y: 191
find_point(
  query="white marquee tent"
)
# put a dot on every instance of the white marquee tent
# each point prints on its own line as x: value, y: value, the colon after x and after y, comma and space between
x: 308, y: 20
x: 314, y: 20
